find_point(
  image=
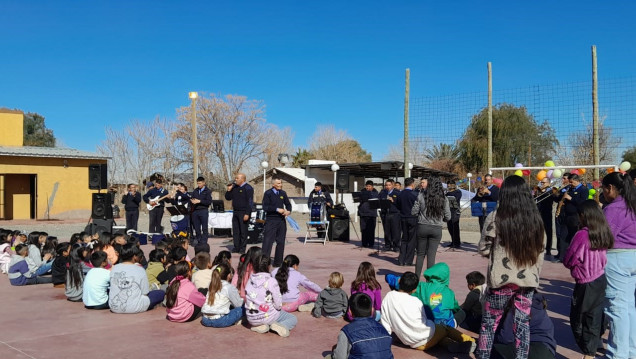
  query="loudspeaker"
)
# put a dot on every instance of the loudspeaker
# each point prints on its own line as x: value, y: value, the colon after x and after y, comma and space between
x: 342, y: 180
x: 102, y: 226
x: 102, y: 207
x: 97, y: 176
x: 218, y: 206
x: 254, y: 234
x: 339, y: 229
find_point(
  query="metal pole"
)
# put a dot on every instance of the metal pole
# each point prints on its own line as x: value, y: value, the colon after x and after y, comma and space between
x: 335, y: 188
x: 195, y: 144
x: 595, y: 134
x: 264, y: 180
x: 489, y: 115
x: 406, y: 123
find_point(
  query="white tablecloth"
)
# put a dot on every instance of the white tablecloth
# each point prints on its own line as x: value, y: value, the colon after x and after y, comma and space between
x: 220, y: 220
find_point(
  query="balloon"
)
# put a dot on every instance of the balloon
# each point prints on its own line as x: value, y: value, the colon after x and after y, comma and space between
x: 549, y: 163
x: 519, y: 173
x: 582, y: 171
x: 541, y: 175
x: 591, y: 194
x: 497, y: 181
x: 526, y: 172
x: 625, y: 166
x: 557, y: 173
x: 549, y: 174
x: 518, y: 165
x: 575, y: 172
x: 610, y: 170
x: 478, y: 179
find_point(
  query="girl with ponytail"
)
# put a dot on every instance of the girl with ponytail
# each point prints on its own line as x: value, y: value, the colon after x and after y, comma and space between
x: 183, y: 301
x: 620, y: 192
x: 223, y: 304
x: 290, y: 280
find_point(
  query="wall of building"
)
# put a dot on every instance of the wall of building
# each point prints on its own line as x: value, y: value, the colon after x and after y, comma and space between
x: 12, y: 125
x: 62, y: 185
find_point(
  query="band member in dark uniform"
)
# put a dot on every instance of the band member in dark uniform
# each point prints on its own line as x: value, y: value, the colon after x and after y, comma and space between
x: 242, y: 196
x: 156, y: 198
x: 405, y: 201
x: 576, y: 195
x: 368, y: 216
x: 318, y: 196
x: 454, y: 196
x: 277, y: 206
x: 201, y: 201
x: 391, y: 220
x: 545, y: 204
x: 559, y: 222
x: 131, y: 201
x: 486, y: 193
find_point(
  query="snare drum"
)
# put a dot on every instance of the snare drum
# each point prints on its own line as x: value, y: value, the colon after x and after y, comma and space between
x: 179, y: 223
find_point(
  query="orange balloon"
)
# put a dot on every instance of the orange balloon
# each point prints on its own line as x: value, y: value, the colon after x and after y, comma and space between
x: 582, y: 171
x: 610, y: 170
x: 541, y: 175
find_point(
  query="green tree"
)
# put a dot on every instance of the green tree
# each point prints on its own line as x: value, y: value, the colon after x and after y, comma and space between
x: 301, y: 157
x: 514, y: 133
x: 630, y: 156
x: 35, y: 131
x: 443, y: 157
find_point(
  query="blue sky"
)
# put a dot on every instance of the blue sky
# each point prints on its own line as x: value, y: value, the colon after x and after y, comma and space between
x: 87, y: 65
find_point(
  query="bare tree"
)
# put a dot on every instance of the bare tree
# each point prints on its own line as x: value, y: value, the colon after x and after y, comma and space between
x: 330, y: 144
x: 581, y: 145
x: 116, y: 146
x: 418, y: 148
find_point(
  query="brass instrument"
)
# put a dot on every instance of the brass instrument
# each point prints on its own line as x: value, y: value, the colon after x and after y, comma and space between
x: 560, y: 206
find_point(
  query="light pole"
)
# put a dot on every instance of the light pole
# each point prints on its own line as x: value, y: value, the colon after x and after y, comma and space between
x: 195, y: 145
x: 469, y: 175
x: 335, y: 168
x: 264, y: 164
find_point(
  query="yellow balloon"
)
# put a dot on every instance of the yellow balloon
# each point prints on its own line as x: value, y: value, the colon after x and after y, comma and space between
x: 541, y: 175
x: 519, y: 173
x: 549, y: 163
x: 582, y: 171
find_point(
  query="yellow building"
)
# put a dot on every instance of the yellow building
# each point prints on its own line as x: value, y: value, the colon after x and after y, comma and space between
x: 41, y: 182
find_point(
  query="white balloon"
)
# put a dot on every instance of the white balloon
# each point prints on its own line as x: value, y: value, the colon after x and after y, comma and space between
x: 625, y: 166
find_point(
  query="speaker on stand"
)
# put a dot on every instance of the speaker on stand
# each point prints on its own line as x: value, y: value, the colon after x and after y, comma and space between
x: 97, y: 176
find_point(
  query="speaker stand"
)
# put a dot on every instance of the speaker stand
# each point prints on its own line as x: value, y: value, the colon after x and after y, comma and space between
x: 377, y: 239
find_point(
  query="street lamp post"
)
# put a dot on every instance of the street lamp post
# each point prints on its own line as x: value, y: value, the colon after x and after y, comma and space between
x: 195, y: 145
x: 335, y: 168
x: 469, y: 175
x: 264, y: 164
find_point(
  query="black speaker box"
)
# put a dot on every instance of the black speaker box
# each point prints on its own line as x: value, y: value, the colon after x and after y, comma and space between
x: 97, y: 176
x: 339, y: 229
x: 218, y: 206
x: 102, y: 207
x: 101, y: 226
x: 254, y: 234
x: 342, y: 180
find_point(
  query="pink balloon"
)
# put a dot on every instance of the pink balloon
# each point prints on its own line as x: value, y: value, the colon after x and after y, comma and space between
x: 576, y: 172
x: 497, y: 181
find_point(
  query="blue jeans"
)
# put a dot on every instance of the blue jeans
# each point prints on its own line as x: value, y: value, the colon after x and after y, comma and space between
x: 156, y: 297
x: 621, y: 309
x: 287, y: 320
x: 44, y: 268
x: 225, y: 321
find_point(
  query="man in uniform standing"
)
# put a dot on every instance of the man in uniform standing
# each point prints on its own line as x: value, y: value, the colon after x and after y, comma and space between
x: 242, y: 196
x: 131, y: 201
x: 575, y: 197
x: 368, y: 215
x: 487, y: 193
x: 156, y: 197
x: 390, y: 217
x: 405, y: 201
x: 201, y: 201
x: 277, y: 206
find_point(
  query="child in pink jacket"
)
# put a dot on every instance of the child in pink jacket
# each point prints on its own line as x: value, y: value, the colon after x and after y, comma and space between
x: 183, y: 300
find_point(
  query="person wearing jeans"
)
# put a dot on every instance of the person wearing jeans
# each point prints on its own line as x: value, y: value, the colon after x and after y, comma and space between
x: 222, y: 321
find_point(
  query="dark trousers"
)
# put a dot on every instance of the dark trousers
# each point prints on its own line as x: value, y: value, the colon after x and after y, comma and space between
x: 482, y: 219
x: 200, y: 225
x: 561, y: 234
x: 239, y: 231
x: 586, y: 314
x: 572, y: 222
x: 274, y: 232
x: 132, y: 217
x: 367, y: 227
x: 391, y: 225
x: 407, y: 246
x: 453, y: 230
x: 547, y: 224
x: 428, y: 238
x: 155, y: 216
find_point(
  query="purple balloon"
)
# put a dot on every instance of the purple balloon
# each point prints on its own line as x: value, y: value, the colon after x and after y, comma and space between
x: 549, y: 174
x: 518, y: 165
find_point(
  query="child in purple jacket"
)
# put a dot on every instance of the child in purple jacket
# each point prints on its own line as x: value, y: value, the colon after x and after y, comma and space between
x: 365, y: 282
x: 290, y: 280
x: 586, y: 259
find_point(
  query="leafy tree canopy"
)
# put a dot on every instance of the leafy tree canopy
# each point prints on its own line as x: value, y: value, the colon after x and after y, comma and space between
x: 35, y: 131
x: 630, y: 156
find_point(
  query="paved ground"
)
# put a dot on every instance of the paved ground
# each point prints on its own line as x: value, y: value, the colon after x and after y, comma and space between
x: 37, y: 321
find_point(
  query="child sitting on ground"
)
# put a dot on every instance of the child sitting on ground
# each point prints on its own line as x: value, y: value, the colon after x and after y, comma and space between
x: 177, y: 254
x: 95, y: 291
x: 20, y: 273
x: 221, y: 296
x: 201, y: 278
x: 5, y: 251
x: 472, y: 305
x: 183, y: 301
x: 332, y: 301
x: 290, y: 280
x: 365, y: 282
x: 155, y: 267
x: 75, y: 275
x: 438, y: 299
x: 60, y: 264
x: 222, y: 257
x: 403, y: 314
x: 35, y: 258
x: 263, y: 302
x: 364, y: 336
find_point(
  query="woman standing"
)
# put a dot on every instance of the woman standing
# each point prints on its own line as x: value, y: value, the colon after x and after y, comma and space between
x: 432, y: 210
x: 620, y: 193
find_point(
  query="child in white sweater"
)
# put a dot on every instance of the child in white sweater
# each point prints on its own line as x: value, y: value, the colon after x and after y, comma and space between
x: 403, y: 314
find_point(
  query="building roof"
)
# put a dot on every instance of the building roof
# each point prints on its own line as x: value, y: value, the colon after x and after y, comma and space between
x: 386, y: 169
x: 6, y: 110
x: 53, y: 152
x: 298, y: 173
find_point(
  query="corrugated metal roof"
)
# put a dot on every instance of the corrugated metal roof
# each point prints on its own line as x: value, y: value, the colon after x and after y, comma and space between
x: 53, y: 152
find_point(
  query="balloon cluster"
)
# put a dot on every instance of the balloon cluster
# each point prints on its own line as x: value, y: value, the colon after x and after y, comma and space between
x: 521, y: 173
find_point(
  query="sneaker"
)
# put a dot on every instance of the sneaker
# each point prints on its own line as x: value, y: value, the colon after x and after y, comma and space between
x: 306, y: 307
x: 462, y: 347
x: 280, y: 330
x: 239, y: 322
x: 260, y: 329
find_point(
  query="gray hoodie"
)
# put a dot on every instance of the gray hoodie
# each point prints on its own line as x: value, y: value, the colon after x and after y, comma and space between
x: 331, y: 301
x: 419, y: 210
